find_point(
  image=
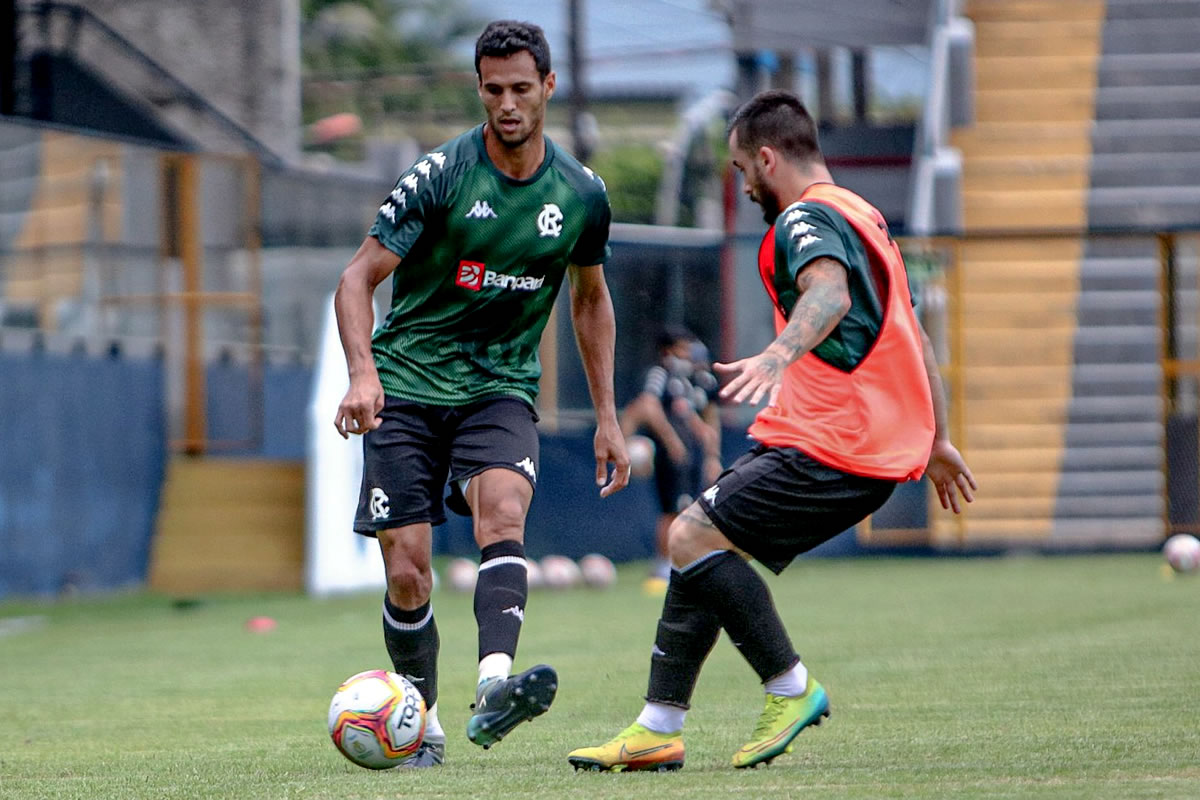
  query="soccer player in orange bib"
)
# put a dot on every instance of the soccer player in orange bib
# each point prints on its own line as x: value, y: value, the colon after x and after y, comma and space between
x: 854, y: 407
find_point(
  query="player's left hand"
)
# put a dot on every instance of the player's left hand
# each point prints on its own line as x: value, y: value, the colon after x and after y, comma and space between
x: 610, y: 449
x: 950, y: 475
x: 752, y: 378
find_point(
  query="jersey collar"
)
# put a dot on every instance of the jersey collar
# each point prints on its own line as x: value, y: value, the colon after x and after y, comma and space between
x: 477, y: 135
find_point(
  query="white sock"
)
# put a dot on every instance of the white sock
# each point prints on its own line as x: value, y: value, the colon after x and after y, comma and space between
x: 661, y: 718
x: 790, y: 684
x: 495, y: 665
x: 432, y: 726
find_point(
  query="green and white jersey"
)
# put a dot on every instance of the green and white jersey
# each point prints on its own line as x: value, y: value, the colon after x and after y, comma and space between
x: 482, y: 259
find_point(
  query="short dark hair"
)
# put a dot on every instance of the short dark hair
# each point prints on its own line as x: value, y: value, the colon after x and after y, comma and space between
x: 779, y: 120
x: 504, y: 37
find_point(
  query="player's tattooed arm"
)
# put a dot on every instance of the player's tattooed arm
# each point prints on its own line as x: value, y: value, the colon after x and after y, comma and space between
x: 824, y: 301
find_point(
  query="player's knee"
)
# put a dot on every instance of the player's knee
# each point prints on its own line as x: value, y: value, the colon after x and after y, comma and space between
x: 683, y: 541
x: 408, y: 584
x: 504, y: 519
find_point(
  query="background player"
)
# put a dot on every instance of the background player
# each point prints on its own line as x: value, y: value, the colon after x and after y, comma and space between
x: 677, y: 409
x: 477, y: 236
x: 854, y: 405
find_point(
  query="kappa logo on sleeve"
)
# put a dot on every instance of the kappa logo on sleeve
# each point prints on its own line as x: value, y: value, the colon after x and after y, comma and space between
x: 470, y: 275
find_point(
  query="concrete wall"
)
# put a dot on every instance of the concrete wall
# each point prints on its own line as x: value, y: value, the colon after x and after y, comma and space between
x: 243, y: 56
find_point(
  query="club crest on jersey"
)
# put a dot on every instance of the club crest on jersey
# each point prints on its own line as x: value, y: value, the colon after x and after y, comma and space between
x: 549, y: 221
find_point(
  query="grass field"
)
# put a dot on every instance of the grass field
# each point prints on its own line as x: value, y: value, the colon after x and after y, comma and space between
x: 1068, y: 677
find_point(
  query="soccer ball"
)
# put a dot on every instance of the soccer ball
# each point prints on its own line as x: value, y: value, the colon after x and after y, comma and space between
x: 641, y: 455
x: 1182, y: 552
x: 377, y: 719
x: 560, y: 572
x: 533, y: 571
x: 597, y: 571
x: 461, y: 574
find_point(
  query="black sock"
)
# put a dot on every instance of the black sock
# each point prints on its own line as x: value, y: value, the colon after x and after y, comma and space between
x: 687, y: 632
x: 731, y: 589
x: 412, y: 642
x: 500, y: 593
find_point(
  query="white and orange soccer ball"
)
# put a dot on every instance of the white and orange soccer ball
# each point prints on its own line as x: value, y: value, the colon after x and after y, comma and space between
x: 377, y: 719
x: 1182, y: 552
x: 598, y: 572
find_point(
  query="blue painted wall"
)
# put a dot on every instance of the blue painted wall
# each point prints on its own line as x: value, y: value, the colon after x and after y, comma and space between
x: 83, y: 450
x: 82, y: 443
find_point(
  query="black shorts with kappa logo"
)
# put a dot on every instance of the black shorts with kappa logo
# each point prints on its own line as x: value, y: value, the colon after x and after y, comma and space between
x: 776, y: 503
x: 409, y: 458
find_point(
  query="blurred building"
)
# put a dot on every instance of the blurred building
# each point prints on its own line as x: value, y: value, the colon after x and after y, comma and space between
x: 221, y: 75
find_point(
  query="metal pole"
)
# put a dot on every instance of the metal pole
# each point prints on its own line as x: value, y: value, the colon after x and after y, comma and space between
x: 578, y: 99
x: 8, y: 57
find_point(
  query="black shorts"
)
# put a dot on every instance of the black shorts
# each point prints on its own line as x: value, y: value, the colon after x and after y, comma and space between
x: 408, y: 459
x: 776, y: 503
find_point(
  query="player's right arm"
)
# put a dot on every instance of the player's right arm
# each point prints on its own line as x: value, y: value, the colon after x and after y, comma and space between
x: 352, y: 303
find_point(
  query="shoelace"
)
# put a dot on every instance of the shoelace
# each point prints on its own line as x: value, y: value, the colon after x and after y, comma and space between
x: 770, y: 714
x: 631, y: 731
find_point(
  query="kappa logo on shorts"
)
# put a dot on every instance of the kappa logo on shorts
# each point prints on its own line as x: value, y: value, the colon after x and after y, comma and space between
x: 710, y: 494
x: 527, y: 464
x: 379, y: 504
x: 470, y: 275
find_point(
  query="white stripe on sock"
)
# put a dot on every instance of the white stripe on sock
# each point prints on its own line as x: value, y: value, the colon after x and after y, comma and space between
x: 500, y: 561
x: 407, y: 626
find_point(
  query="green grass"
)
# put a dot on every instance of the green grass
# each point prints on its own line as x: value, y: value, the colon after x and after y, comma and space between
x: 1055, y: 678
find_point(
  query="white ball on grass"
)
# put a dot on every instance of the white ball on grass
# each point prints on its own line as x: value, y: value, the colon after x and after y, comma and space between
x: 560, y: 572
x: 377, y: 719
x: 597, y: 571
x: 1182, y: 552
x: 534, y: 571
x: 461, y: 574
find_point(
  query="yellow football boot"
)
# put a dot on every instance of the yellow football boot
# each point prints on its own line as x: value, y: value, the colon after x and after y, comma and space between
x: 782, y: 720
x: 634, y: 748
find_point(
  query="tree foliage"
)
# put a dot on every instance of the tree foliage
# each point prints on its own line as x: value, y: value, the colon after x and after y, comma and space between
x: 341, y: 36
x: 632, y: 174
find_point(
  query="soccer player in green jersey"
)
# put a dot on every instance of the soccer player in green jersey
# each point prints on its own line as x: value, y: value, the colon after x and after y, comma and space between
x: 477, y: 236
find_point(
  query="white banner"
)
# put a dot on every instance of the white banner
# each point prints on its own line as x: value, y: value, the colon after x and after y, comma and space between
x: 336, y: 558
